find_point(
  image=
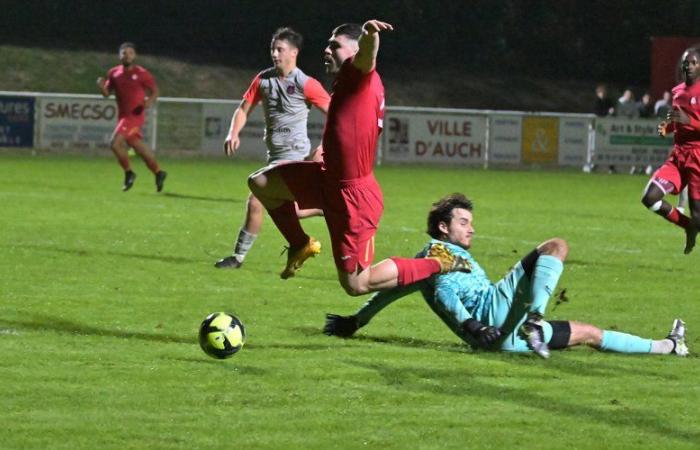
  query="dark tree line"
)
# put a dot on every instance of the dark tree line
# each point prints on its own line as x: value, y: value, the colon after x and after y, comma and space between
x: 579, y: 39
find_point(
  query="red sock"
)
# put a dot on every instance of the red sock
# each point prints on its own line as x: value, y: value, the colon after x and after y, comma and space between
x: 677, y: 218
x: 416, y: 269
x: 285, y: 217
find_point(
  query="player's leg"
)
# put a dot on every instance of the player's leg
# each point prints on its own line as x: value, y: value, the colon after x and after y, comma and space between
x: 618, y: 342
x: 277, y: 187
x: 119, y: 147
x: 693, y: 188
x: 247, y: 234
x: 346, y: 326
x: 144, y: 151
x: 522, y: 295
x: 667, y: 180
x: 545, y: 272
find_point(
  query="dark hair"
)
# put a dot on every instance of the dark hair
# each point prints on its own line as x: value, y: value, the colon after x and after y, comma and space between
x: 289, y: 35
x: 127, y: 45
x: 351, y: 30
x: 442, y: 212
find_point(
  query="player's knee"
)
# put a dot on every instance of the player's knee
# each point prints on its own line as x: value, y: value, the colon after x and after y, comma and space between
x: 117, y: 146
x: 256, y: 182
x: 354, y: 287
x: 556, y: 247
x: 586, y: 334
x: 651, y: 201
x: 652, y: 196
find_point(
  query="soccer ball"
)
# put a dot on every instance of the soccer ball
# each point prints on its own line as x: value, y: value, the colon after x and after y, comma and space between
x: 221, y: 335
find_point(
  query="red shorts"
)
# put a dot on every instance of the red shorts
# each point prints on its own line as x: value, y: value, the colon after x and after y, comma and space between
x: 352, y: 209
x: 681, y: 169
x: 129, y: 127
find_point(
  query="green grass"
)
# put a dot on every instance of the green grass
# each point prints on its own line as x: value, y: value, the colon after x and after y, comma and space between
x: 102, y: 293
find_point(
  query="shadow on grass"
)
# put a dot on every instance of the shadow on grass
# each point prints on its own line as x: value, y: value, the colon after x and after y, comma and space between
x: 561, y: 360
x: 83, y: 252
x: 63, y: 326
x: 442, y: 381
x: 202, y: 198
x: 399, y: 341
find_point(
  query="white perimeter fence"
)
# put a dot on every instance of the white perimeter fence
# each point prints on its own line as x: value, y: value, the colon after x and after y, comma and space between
x: 412, y: 135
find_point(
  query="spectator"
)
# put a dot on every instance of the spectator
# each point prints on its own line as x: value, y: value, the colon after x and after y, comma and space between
x: 626, y: 106
x: 663, y: 106
x: 645, y: 107
x: 603, y: 106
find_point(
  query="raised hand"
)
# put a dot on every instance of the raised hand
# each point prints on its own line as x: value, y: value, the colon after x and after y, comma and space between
x: 375, y: 26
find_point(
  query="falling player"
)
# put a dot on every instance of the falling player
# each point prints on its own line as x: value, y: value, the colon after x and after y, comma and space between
x: 682, y: 168
x: 135, y: 90
x: 343, y: 185
x: 286, y: 94
x: 506, y: 315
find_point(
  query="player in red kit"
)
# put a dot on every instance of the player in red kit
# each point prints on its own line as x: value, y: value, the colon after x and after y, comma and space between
x: 135, y: 90
x: 682, y: 168
x: 343, y: 185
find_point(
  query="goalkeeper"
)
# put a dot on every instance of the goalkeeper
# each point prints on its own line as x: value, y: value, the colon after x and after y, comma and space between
x: 507, y: 315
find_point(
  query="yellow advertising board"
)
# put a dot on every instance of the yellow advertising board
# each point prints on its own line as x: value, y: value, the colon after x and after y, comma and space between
x: 540, y: 139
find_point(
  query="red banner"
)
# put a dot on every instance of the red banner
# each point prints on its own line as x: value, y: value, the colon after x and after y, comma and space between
x: 666, y: 52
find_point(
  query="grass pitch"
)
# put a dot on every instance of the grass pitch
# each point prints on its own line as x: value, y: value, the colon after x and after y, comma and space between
x: 102, y: 292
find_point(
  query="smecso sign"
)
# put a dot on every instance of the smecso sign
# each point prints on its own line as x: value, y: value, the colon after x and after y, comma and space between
x: 81, y: 123
x: 629, y: 142
x: 435, y: 137
x: 16, y: 121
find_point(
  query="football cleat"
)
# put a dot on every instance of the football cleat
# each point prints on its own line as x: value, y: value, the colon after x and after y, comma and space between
x: 534, y: 335
x: 296, y: 258
x: 690, y: 234
x: 160, y: 179
x: 449, y: 262
x: 230, y: 262
x: 129, y: 178
x: 677, y: 335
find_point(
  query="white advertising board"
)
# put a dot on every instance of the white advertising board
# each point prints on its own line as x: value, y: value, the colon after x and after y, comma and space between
x: 81, y: 123
x: 629, y: 142
x: 445, y: 138
x: 573, y: 140
x: 505, y: 139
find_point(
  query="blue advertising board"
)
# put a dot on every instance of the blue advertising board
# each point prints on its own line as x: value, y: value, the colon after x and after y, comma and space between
x: 16, y: 121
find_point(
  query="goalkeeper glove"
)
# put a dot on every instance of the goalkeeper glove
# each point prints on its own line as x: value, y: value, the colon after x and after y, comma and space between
x: 485, y: 335
x: 341, y: 326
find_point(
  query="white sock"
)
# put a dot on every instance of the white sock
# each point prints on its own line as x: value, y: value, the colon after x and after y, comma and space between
x: 662, y: 346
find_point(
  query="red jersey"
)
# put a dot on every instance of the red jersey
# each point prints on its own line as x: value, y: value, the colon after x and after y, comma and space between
x: 687, y: 98
x: 129, y: 87
x: 354, y: 122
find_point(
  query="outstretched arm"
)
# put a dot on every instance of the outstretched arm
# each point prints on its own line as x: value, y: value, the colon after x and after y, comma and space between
x: 366, y: 58
x: 448, y: 305
x: 345, y: 326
